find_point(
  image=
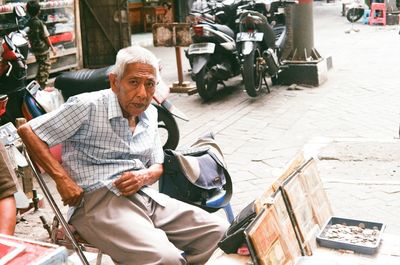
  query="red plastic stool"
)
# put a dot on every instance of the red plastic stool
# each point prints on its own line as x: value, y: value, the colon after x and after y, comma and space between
x: 378, y: 14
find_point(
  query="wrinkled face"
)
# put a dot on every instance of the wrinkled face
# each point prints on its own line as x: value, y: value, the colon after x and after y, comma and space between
x: 135, y: 89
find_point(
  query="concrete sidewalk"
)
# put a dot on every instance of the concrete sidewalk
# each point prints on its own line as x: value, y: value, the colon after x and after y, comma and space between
x: 361, y: 178
x: 356, y: 113
x: 360, y: 101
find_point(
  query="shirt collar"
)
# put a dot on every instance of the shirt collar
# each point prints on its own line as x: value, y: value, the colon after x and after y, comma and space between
x: 115, y: 111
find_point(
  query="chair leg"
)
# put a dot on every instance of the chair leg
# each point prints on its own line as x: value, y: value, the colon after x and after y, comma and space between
x: 76, y: 246
x: 98, y: 259
x: 229, y: 212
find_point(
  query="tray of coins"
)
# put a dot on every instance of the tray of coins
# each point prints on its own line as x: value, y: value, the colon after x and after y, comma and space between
x: 350, y: 234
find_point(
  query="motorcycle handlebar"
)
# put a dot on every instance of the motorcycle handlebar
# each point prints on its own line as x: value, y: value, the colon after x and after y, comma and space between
x: 10, y: 67
x: 285, y: 1
x: 212, y: 7
x: 245, y: 6
x: 201, y: 17
x: 290, y: 1
x: 251, y: 4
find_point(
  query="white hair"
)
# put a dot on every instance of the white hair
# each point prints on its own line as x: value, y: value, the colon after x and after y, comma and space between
x: 134, y: 54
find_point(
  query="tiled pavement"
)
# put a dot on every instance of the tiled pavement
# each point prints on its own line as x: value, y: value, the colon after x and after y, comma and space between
x: 359, y: 101
x: 357, y: 108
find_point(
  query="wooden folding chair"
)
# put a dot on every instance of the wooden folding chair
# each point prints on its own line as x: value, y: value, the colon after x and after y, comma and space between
x: 66, y: 235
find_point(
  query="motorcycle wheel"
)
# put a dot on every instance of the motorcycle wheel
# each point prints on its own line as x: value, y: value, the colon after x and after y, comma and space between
x: 354, y: 14
x: 252, y: 74
x: 206, y: 88
x: 167, y: 129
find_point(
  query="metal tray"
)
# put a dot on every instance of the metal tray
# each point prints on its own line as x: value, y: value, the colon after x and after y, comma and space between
x: 332, y: 243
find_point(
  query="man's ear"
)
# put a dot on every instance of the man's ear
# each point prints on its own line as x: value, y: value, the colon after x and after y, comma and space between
x: 113, y: 81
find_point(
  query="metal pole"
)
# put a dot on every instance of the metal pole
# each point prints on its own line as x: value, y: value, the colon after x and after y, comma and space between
x: 303, y: 32
x: 302, y: 65
x: 179, y: 64
x: 56, y: 210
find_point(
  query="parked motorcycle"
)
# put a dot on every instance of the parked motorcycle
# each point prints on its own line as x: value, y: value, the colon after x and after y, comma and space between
x: 260, y: 40
x: 354, y: 9
x: 212, y: 56
x: 13, y: 70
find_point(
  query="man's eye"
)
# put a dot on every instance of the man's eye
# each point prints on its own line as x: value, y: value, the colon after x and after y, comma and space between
x: 150, y: 84
x: 134, y: 82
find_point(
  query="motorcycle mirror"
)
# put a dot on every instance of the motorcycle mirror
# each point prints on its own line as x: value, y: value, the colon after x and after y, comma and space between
x: 9, y: 44
x: 19, y: 11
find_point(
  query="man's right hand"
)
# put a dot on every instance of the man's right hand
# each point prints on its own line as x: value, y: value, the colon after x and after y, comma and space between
x: 71, y: 193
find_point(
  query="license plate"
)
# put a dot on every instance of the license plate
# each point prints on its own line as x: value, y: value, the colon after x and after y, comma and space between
x: 249, y: 36
x: 8, y: 133
x: 33, y: 87
x: 201, y: 48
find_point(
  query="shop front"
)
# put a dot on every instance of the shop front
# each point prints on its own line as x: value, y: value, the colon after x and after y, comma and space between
x: 144, y: 13
x: 62, y: 20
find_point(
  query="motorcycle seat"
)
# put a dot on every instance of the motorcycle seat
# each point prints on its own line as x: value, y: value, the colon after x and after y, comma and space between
x: 85, y: 80
x: 223, y: 28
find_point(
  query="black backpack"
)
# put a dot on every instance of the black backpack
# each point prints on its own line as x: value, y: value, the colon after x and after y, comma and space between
x: 234, y: 237
x: 197, y: 175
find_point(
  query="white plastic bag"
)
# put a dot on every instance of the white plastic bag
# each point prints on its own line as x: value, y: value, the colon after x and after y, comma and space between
x: 49, y: 100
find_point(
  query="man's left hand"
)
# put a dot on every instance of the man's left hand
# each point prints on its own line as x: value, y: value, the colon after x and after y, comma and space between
x: 130, y: 182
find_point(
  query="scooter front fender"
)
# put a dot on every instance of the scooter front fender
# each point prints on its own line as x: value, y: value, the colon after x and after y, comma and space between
x: 199, y: 61
x: 247, y: 47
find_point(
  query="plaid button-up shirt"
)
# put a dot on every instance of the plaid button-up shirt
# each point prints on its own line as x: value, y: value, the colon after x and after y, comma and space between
x: 97, y: 144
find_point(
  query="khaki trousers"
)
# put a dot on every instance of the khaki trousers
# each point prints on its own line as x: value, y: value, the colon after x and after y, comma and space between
x: 136, y: 230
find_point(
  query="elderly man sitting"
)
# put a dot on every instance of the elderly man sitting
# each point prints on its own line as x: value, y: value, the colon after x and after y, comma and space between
x: 111, y: 153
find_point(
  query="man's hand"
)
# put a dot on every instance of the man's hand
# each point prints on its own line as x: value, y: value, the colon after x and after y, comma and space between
x: 130, y: 182
x: 71, y: 193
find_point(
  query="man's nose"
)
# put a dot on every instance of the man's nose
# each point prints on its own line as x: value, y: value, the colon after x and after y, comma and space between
x: 142, y: 92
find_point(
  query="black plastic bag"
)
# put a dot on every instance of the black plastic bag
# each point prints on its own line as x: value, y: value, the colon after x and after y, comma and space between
x: 234, y: 237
